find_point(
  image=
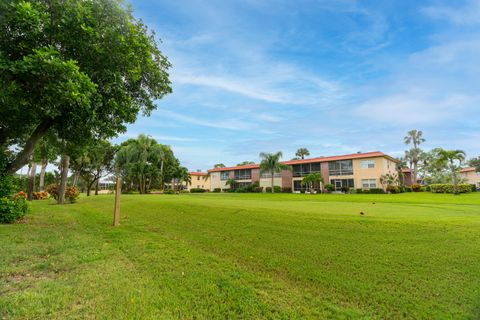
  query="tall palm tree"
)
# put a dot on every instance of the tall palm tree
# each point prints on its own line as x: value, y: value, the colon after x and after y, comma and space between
x: 271, y: 164
x: 415, y: 138
x: 302, y: 152
x: 450, y: 157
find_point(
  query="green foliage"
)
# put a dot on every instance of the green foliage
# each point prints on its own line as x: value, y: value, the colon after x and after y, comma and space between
x: 251, y: 188
x: 287, y: 190
x: 393, y: 189
x: 169, y: 191
x: 277, y: 189
x: 376, y: 191
x: 416, y: 187
x: 216, y: 190
x: 197, y: 190
x: 302, y: 152
x: 329, y: 187
x: 313, y: 181
x: 449, y: 188
x: 244, y: 163
x: 271, y: 164
x: 144, y: 163
x: 268, y: 189
x: 407, y: 189
x: 79, y: 70
x: 12, y: 210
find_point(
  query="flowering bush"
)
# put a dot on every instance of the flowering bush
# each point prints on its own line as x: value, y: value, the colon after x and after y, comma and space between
x: 19, y: 195
x: 52, y: 190
x: 416, y: 187
x: 72, y: 194
x: 41, y: 195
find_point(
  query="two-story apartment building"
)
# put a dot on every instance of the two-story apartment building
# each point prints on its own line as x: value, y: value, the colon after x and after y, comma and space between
x: 471, y: 176
x: 198, y: 180
x: 359, y: 170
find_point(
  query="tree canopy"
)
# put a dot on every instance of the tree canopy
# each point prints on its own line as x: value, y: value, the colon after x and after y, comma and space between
x: 82, y: 69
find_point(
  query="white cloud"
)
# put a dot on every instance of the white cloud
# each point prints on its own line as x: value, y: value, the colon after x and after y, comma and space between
x: 461, y: 15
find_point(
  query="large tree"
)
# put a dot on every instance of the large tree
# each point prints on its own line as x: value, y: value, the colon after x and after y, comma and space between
x: 415, y: 138
x: 271, y: 164
x: 143, y: 162
x: 475, y: 163
x: 79, y: 69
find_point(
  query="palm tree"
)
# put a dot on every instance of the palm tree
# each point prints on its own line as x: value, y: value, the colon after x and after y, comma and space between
x: 414, y: 137
x: 449, y: 157
x: 244, y: 163
x: 231, y: 183
x: 302, y: 152
x: 271, y: 164
x: 313, y: 180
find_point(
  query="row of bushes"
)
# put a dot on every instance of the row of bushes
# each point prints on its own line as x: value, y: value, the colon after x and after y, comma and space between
x: 448, y: 188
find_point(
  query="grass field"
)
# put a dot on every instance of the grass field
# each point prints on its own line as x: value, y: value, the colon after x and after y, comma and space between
x: 226, y: 256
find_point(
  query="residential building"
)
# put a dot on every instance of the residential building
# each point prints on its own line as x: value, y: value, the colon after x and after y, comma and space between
x: 198, y: 180
x: 471, y: 176
x: 358, y: 170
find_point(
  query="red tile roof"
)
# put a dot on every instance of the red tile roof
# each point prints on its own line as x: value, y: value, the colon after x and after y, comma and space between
x: 198, y: 173
x: 318, y: 159
x: 468, y: 169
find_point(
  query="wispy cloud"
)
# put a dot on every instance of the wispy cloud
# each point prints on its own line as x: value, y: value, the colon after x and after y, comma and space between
x: 468, y: 14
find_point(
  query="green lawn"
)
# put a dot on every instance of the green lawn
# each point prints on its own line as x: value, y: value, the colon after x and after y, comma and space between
x: 207, y: 256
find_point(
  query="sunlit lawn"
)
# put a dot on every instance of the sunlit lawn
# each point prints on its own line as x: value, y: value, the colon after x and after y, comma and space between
x: 245, y: 256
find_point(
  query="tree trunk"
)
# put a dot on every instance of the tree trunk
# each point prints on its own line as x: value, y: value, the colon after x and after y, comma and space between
x: 75, y: 178
x: 41, y: 182
x: 63, y: 180
x: 272, y: 183
x: 162, y: 185
x: 31, y: 182
x: 22, y: 158
x: 96, y: 187
x: 414, y: 176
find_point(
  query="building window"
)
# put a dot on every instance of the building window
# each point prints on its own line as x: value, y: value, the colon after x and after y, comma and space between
x: 342, y: 184
x: 340, y: 168
x: 224, y: 175
x: 243, y: 174
x: 367, y: 164
x: 301, y: 170
x: 297, y: 186
x: 198, y: 178
x: 369, y: 183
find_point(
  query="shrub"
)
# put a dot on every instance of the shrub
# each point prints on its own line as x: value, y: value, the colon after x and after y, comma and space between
x: 377, y: 191
x: 71, y: 194
x: 345, y: 189
x: 330, y: 187
x: 360, y: 191
x: 41, y: 195
x: 52, y: 189
x: 277, y: 189
x: 407, y: 189
x: 268, y: 189
x: 474, y: 188
x: 416, y: 187
x: 352, y: 190
x: 168, y: 191
x: 197, y: 190
x: 393, y: 189
x: 217, y: 190
x: 12, y: 210
x: 287, y: 190
x: 19, y: 195
x: 448, y: 188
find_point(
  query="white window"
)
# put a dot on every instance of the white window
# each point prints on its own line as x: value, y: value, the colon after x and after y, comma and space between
x: 369, y: 183
x: 367, y: 164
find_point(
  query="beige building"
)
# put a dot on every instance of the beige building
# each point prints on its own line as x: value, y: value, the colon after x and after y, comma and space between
x: 471, y: 176
x: 198, y: 180
x: 359, y: 170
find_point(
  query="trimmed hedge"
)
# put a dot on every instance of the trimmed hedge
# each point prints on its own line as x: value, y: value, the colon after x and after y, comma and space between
x: 197, y: 190
x: 448, y: 188
x: 217, y: 190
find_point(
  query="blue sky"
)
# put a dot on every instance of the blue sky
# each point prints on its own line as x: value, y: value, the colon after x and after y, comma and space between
x: 333, y: 76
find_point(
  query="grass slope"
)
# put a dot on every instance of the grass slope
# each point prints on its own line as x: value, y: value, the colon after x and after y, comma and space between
x: 245, y: 256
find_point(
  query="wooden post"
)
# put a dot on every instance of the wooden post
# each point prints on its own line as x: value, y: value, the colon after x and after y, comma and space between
x: 118, y: 192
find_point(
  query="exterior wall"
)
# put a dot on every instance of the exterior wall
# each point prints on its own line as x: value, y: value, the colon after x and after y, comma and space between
x: 324, y: 172
x: 382, y: 166
x: 215, y: 181
x: 268, y: 182
x: 255, y: 175
x: 198, y: 182
x: 471, y: 177
x: 287, y: 176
